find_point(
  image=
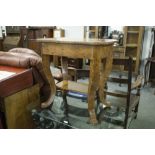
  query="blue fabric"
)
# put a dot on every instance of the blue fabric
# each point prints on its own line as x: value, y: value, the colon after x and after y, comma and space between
x: 77, y: 95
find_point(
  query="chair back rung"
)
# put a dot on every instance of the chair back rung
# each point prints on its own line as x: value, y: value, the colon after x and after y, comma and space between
x: 116, y: 94
x: 122, y: 61
x: 118, y: 80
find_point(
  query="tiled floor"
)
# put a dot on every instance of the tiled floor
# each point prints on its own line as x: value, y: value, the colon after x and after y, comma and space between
x: 146, y: 114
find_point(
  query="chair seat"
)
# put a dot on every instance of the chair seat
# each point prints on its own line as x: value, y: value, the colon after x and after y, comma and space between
x: 73, y: 86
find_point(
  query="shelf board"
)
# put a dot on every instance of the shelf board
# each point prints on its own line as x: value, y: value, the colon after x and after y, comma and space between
x: 91, y: 31
x: 133, y: 32
x: 131, y: 45
x: 133, y: 58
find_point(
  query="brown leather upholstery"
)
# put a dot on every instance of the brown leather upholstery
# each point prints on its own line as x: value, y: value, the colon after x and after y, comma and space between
x: 26, y: 58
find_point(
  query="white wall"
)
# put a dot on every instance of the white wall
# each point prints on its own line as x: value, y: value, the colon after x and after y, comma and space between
x: 0, y: 31
x: 2, y: 28
x: 118, y: 28
x: 74, y: 31
x: 147, y: 42
x: 78, y: 31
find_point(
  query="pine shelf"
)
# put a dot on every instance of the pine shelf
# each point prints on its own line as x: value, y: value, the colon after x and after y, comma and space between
x: 133, y: 32
x: 133, y: 37
x: 132, y: 45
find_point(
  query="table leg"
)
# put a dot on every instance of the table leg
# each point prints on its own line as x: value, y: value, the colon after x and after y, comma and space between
x: 47, y: 71
x: 93, y: 86
x: 105, y: 70
x: 64, y: 65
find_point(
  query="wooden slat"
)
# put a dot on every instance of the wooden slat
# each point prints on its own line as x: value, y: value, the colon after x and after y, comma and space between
x: 121, y: 61
x: 133, y: 32
x: 73, y: 86
x: 116, y: 93
x: 131, y: 45
x: 118, y: 80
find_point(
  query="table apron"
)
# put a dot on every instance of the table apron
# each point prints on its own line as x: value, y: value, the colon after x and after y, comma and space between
x: 75, y: 51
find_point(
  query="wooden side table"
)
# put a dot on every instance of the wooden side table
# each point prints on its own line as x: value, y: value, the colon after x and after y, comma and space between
x: 98, y: 51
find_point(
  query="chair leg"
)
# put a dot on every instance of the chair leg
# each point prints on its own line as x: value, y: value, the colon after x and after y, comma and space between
x: 120, y: 76
x: 65, y: 119
x: 98, y: 100
x: 64, y: 96
x: 145, y: 73
x: 136, y: 110
x: 126, y: 116
x: 125, y: 122
x: 105, y: 88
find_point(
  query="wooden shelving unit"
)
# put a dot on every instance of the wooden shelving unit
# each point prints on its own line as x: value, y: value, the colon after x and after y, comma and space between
x: 133, y: 37
x: 95, y: 32
x: 13, y: 37
x: 91, y: 31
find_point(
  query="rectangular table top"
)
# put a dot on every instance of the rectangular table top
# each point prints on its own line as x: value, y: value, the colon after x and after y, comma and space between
x: 76, y: 41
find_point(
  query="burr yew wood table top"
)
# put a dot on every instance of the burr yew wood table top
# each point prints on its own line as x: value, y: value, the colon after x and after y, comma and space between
x: 78, y: 41
x: 99, y: 51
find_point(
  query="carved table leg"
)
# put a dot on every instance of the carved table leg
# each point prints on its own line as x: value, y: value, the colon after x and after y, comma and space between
x: 47, y: 71
x: 93, y: 86
x: 64, y: 66
x: 105, y: 69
